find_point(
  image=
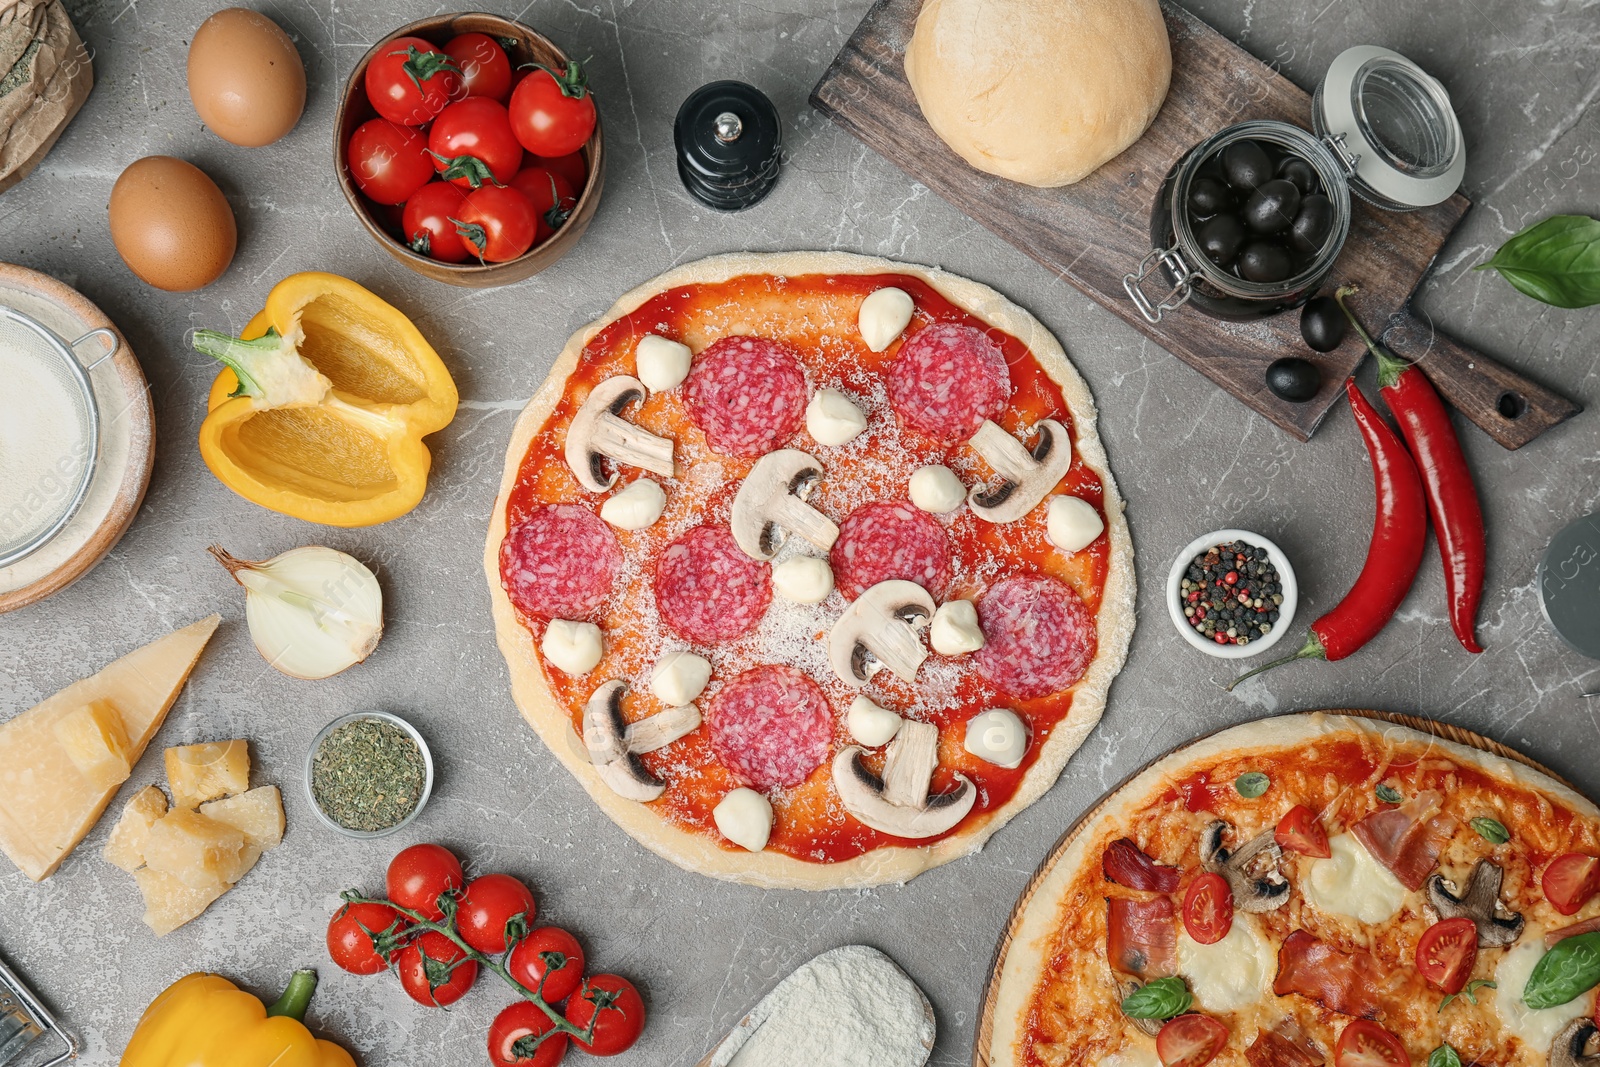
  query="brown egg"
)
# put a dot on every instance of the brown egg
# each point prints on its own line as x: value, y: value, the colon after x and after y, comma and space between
x: 245, y: 77
x: 171, y: 224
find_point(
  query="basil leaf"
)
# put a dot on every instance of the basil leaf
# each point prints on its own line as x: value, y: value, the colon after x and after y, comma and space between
x: 1161, y: 999
x: 1444, y: 1056
x: 1388, y: 793
x: 1565, y: 973
x: 1252, y: 784
x: 1491, y: 830
x: 1556, y: 261
x: 1470, y: 992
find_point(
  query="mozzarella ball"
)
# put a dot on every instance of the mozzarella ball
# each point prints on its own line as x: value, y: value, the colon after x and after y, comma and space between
x: 661, y: 364
x: 871, y: 725
x: 998, y: 737
x: 937, y: 489
x: 803, y: 579
x: 574, y: 647
x: 679, y: 677
x: 954, y: 630
x: 833, y: 419
x: 1072, y: 524
x: 884, y: 315
x: 633, y: 508
x: 745, y: 818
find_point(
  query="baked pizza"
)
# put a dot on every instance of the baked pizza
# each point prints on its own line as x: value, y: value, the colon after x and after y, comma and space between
x: 810, y: 566
x: 1312, y: 889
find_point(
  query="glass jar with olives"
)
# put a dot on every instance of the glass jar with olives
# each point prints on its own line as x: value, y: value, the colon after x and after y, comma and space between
x: 1249, y: 221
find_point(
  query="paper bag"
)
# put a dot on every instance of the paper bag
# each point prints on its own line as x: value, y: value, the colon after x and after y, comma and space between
x: 45, y: 76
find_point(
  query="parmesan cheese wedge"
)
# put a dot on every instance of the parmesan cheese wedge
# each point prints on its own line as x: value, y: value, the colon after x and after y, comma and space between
x: 125, y: 847
x: 61, y: 761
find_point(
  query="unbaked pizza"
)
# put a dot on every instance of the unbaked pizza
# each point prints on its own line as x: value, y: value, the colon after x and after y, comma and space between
x: 810, y: 566
x: 1312, y: 889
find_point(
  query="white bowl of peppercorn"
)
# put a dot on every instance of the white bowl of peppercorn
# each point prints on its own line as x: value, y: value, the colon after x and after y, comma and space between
x: 1232, y: 593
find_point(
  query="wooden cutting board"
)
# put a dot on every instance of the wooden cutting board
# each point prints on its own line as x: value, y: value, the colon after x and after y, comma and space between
x: 1095, y: 232
x: 983, y: 1040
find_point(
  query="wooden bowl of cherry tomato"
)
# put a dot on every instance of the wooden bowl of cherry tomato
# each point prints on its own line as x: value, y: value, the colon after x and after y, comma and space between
x: 469, y: 147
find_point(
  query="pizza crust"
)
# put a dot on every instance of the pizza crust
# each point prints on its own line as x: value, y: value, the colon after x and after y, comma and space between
x: 1033, y: 927
x: 698, y: 852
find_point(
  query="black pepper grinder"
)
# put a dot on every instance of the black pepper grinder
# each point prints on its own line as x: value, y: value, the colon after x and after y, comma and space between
x: 729, y: 138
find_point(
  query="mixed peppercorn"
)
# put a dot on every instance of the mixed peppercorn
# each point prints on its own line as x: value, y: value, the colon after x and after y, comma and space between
x: 1231, y: 593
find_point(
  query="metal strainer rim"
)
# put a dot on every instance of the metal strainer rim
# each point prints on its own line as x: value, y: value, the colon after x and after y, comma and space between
x: 65, y: 351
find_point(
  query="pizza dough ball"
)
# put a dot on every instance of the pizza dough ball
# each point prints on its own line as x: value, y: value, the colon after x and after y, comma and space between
x: 1039, y: 91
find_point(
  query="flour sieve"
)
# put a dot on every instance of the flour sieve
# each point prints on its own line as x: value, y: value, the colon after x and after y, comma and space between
x: 49, y: 430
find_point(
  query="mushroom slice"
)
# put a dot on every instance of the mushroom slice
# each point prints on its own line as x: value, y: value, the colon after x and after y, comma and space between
x: 1498, y: 926
x: 614, y: 745
x: 771, y: 502
x: 1571, y: 1046
x: 1251, y: 870
x: 599, y: 432
x: 1027, y: 475
x: 880, y: 630
x: 898, y: 803
x: 1127, y: 987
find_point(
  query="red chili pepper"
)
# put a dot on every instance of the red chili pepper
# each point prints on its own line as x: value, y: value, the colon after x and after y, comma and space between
x: 1452, y: 498
x: 1399, y: 531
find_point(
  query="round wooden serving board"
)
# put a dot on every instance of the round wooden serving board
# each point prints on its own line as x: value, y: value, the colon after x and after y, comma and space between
x: 1460, y: 735
x: 127, y: 442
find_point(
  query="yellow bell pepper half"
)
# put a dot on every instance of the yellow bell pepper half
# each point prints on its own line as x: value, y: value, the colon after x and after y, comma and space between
x: 321, y: 408
x: 204, y: 1020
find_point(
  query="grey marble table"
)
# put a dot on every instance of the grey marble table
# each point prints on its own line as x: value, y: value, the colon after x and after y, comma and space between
x: 1525, y: 79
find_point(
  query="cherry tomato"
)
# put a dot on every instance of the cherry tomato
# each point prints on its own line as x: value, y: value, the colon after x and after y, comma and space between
x: 489, y: 903
x: 1301, y: 831
x: 516, y: 1038
x: 1446, y: 952
x: 553, y: 116
x: 552, y: 949
x: 388, y: 161
x: 1208, y: 908
x: 1190, y: 1041
x: 550, y: 195
x: 1570, y: 881
x: 1366, y: 1044
x: 571, y: 167
x: 419, y: 875
x: 427, y: 225
x: 485, y: 70
x: 411, y: 80
x: 351, y: 932
x: 435, y: 971
x: 472, y: 144
x: 497, y: 223
x: 621, y: 1014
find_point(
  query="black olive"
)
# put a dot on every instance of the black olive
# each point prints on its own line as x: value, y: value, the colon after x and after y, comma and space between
x: 1294, y: 379
x: 1245, y: 165
x: 1220, y: 238
x: 1207, y: 196
x: 1302, y: 173
x: 1273, y: 207
x: 1264, y: 261
x: 1312, y: 224
x: 1322, y: 324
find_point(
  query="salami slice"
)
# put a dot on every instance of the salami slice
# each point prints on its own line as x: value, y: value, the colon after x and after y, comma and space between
x: 771, y: 725
x: 747, y: 394
x: 890, y: 540
x: 707, y: 590
x: 946, y: 379
x: 1039, y: 636
x: 560, y: 562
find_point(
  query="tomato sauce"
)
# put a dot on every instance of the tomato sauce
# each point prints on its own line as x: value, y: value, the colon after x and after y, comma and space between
x: 816, y: 316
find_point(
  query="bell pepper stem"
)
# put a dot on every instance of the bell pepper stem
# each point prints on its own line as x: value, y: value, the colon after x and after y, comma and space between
x: 296, y: 996
x: 270, y: 368
x: 1390, y: 366
x: 1312, y: 649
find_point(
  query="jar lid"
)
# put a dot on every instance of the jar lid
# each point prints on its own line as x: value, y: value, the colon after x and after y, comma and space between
x: 1569, y: 585
x: 1392, y: 125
